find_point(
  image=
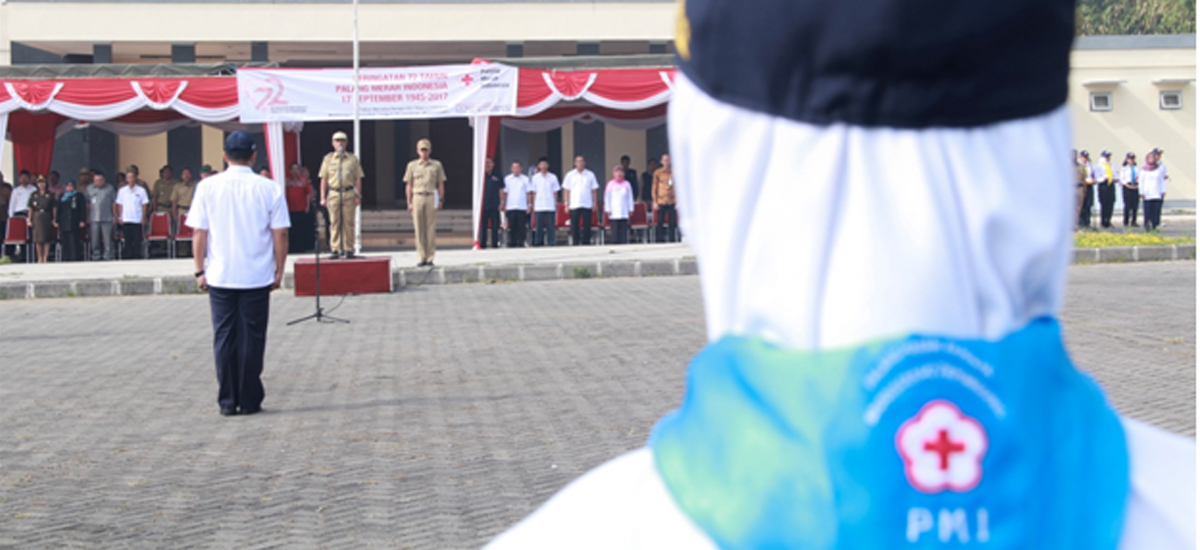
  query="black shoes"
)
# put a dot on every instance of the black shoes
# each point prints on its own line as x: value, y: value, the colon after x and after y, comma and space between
x: 349, y: 255
x: 425, y: 264
x: 233, y: 411
x: 335, y: 255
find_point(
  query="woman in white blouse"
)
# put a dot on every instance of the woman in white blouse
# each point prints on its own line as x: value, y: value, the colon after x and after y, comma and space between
x: 618, y: 203
x: 1152, y: 187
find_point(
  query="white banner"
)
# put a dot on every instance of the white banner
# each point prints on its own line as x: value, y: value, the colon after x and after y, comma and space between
x: 282, y: 95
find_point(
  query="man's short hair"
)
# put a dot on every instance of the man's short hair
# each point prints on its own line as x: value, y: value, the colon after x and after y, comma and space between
x: 543, y: 159
x: 55, y: 172
x: 97, y: 172
x: 625, y: 158
x: 24, y: 173
x: 239, y: 155
x: 517, y: 162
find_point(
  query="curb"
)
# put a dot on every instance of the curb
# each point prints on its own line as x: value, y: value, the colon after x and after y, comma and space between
x: 404, y: 277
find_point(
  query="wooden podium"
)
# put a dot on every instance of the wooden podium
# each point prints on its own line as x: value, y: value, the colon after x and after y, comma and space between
x: 361, y: 275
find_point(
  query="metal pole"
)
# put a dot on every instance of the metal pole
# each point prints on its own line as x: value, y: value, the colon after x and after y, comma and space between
x: 357, y: 137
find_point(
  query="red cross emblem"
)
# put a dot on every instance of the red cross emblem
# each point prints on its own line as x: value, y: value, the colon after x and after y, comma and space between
x: 467, y: 80
x: 942, y: 448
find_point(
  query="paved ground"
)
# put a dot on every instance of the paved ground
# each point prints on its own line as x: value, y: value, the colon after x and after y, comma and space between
x: 439, y: 417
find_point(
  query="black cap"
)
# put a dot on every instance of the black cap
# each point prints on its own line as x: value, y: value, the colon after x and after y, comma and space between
x: 1084, y: 153
x: 1130, y: 155
x: 239, y: 141
x: 1105, y: 154
x: 1157, y: 151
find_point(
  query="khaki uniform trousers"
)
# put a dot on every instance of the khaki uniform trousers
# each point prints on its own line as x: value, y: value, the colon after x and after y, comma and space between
x: 341, y: 216
x: 425, y: 223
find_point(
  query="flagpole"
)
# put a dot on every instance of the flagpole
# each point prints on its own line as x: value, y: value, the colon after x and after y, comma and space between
x: 357, y: 136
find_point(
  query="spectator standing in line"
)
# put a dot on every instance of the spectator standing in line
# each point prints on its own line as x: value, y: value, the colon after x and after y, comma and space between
x: 241, y: 233
x: 55, y: 185
x: 101, y: 197
x: 137, y: 173
x: 42, y: 206
x: 1089, y: 182
x: 71, y: 221
x: 425, y: 190
x: 181, y: 195
x: 299, y: 201
x: 489, y: 219
x: 1129, y: 188
x: 265, y: 172
x: 206, y: 171
x: 664, y: 202
x: 5, y: 196
x: 18, y: 203
x: 132, y: 212
x: 341, y: 188
x: 1152, y: 187
x: 631, y: 176
x: 517, y: 196
x: 618, y: 203
x: 545, y: 204
x: 1106, y: 190
x: 84, y: 179
x: 579, y: 190
x: 645, y: 194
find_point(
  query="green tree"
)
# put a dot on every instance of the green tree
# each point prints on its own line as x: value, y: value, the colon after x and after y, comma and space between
x: 1135, y: 17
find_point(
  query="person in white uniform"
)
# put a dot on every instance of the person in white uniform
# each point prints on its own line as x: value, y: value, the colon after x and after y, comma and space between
x: 884, y: 368
x: 517, y: 197
x: 545, y: 204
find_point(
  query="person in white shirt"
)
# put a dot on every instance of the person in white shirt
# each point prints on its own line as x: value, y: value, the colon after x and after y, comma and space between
x: 545, y: 204
x: 132, y: 214
x: 579, y: 192
x: 618, y: 203
x: 240, y: 248
x: 1152, y: 187
x: 517, y: 197
x: 18, y: 203
x: 1129, y: 188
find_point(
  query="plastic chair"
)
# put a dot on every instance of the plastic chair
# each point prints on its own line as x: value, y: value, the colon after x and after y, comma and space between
x: 160, y: 231
x: 562, y: 220
x: 638, y: 221
x: 17, y: 237
x: 183, y: 235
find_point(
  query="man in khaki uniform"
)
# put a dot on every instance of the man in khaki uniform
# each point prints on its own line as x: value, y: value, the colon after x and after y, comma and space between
x: 160, y: 194
x: 426, y: 192
x: 181, y: 195
x: 341, y: 191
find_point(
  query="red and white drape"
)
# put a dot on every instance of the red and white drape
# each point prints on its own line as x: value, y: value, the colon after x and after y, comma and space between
x: 34, y: 112
x: 633, y: 99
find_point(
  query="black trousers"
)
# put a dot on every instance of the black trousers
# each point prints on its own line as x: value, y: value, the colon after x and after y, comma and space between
x: 545, y: 231
x: 668, y: 214
x: 1131, y: 198
x: 72, y: 246
x: 1085, y: 209
x: 518, y: 220
x: 489, y: 220
x: 239, y: 319
x: 620, y: 231
x: 1108, y: 198
x: 132, y: 232
x: 1153, y: 213
x: 581, y: 226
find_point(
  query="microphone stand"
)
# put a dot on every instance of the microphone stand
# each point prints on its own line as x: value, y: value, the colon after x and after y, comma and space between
x: 319, y: 315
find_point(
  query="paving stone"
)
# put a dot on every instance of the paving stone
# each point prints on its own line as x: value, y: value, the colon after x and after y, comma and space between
x: 13, y: 291
x: 458, y: 275
x: 654, y: 268
x: 55, y: 289
x: 88, y: 289
x: 135, y: 287
x: 1085, y: 256
x: 1185, y: 252
x: 619, y: 269
x: 437, y: 418
x: 187, y: 285
x: 1155, y: 253
x: 502, y: 273
x: 575, y: 270
x: 1116, y: 254
x: 541, y: 272
x: 688, y: 267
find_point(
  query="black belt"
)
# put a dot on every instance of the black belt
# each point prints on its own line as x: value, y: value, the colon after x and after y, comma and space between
x: 423, y: 193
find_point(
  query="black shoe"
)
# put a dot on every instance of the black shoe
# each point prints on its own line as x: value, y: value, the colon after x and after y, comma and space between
x: 230, y: 411
x: 423, y: 264
x: 255, y: 410
x: 335, y: 255
x: 428, y: 264
x: 349, y: 256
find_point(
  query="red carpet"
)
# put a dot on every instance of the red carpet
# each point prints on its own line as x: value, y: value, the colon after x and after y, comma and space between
x: 361, y: 275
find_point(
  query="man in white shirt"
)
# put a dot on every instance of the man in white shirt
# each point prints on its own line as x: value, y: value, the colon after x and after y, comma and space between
x: 18, y: 203
x: 240, y: 247
x: 132, y: 214
x: 545, y: 204
x: 517, y: 198
x: 579, y: 190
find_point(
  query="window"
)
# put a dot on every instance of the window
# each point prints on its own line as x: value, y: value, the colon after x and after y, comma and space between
x: 1101, y: 101
x: 1170, y: 100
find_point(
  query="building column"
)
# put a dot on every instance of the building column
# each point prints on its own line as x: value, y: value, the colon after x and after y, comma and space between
x: 185, y: 145
x: 259, y: 52
x: 587, y: 48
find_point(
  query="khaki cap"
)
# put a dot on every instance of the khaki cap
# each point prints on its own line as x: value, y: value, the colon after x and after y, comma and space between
x: 132, y: 168
x: 85, y: 170
x: 424, y: 144
x: 339, y: 135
